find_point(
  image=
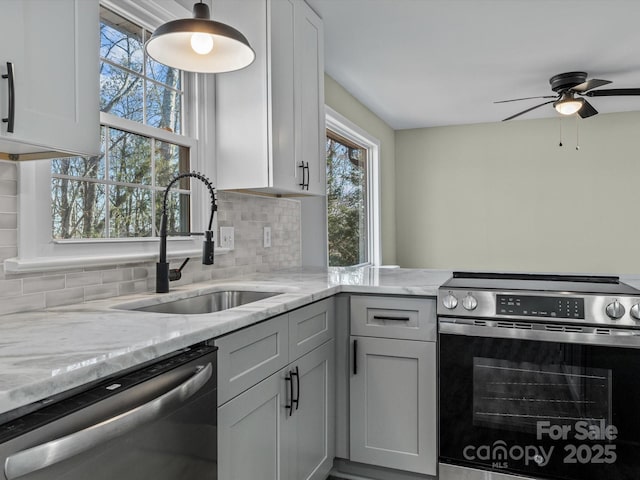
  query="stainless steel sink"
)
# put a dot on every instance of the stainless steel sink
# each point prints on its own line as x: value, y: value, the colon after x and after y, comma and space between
x: 208, y: 303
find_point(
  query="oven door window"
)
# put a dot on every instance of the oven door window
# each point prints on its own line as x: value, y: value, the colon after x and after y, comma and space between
x: 553, y: 410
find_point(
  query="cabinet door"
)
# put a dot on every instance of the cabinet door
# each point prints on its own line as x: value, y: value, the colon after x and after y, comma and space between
x: 252, y: 429
x: 393, y: 404
x: 286, y: 173
x: 312, y: 447
x: 53, y: 47
x: 242, y: 114
x: 310, y: 122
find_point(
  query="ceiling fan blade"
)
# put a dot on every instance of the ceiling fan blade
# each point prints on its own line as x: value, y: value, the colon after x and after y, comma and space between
x: 525, y: 98
x: 587, y: 110
x: 528, y: 110
x: 590, y: 84
x: 610, y: 92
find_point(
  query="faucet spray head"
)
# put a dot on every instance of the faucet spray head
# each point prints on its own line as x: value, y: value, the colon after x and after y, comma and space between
x: 207, y: 248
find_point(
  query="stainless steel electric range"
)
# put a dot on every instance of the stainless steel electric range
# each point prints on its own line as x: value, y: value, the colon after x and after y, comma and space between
x: 539, y: 377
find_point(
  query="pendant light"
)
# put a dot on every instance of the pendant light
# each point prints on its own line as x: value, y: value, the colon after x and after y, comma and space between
x: 200, y: 44
x: 568, y: 105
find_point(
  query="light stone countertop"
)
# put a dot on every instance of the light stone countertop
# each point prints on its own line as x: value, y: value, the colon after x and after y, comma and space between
x: 45, y: 353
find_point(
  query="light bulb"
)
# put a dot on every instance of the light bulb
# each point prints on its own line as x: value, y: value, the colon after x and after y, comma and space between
x: 201, y: 43
x: 568, y: 105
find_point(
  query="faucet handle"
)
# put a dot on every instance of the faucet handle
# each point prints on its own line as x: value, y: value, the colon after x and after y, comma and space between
x: 176, y: 273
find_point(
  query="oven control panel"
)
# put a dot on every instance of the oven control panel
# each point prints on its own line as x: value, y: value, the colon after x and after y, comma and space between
x: 540, y: 306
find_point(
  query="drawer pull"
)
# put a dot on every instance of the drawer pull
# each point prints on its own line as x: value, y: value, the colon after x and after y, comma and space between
x: 395, y: 319
x: 355, y: 357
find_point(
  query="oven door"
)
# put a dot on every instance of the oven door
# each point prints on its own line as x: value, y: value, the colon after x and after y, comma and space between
x: 542, y: 404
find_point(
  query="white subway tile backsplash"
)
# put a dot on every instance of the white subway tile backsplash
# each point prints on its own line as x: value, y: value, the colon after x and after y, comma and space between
x: 117, y: 275
x: 8, y: 238
x: 23, y: 303
x: 248, y: 214
x: 83, y: 279
x: 64, y: 297
x: 43, y: 284
x: 10, y: 288
x: 8, y: 221
x: 8, y: 252
x: 97, y: 292
x: 8, y: 187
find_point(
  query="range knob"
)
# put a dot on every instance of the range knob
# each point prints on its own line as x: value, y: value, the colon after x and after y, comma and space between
x: 450, y: 301
x: 635, y: 311
x: 615, y: 310
x: 469, y: 302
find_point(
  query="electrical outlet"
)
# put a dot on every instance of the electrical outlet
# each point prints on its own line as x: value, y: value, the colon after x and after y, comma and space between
x: 267, y: 237
x: 226, y: 237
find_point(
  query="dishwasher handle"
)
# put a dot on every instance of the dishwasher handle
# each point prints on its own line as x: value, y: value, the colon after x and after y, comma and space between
x: 47, y: 454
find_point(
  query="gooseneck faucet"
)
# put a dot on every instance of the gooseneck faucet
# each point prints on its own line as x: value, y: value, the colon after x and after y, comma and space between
x: 164, y: 275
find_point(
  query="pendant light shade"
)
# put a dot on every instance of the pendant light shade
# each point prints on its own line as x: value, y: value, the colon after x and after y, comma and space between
x: 200, y: 45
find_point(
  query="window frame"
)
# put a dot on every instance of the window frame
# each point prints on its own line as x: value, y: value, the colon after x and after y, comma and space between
x: 351, y: 132
x: 39, y: 252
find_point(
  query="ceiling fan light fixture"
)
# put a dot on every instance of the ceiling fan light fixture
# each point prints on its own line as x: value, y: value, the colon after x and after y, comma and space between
x: 568, y: 105
x: 200, y: 44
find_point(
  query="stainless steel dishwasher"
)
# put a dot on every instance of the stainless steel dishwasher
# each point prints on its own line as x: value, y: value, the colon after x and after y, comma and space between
x: 157, y: 422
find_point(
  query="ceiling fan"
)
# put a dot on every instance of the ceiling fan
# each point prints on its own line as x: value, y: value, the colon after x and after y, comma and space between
x: 571, y: 88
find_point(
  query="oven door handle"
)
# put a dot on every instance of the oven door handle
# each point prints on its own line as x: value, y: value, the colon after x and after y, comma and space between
x: 47, y: 454
x: 615, y: 337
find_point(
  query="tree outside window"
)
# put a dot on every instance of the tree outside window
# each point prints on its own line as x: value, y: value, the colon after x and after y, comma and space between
x: 118, y: 194
x: 346, y: 201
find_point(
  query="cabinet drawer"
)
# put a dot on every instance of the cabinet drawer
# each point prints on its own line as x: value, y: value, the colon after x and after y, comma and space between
x: 248, y: 356
x: 310, y: 327
x: 394, y: 317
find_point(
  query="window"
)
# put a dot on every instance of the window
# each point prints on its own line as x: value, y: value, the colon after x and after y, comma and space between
x: 119, y: 193
x: 106, y: 209
x: 352, y: 192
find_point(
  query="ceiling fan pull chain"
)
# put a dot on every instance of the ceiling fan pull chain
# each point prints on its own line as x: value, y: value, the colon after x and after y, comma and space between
x: 577, y: 134
x: 560, y: 123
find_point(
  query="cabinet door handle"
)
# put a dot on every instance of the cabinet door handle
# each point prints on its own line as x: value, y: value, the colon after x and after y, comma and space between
x: 289, y: 406
x: 306, y: 185
x: 303, y: 175
x: 10, y: 119
x: 296, y: 374
x: 395, y: 319
x: 355, y: 357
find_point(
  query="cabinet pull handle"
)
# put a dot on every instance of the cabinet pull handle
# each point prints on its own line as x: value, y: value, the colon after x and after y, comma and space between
x: 297, y: 399
x: 9, y: 120
x: 306, y: 185
x: 355, y: 357
x: 395, y: 319
x: 303, y: 176
x: 289, y: 378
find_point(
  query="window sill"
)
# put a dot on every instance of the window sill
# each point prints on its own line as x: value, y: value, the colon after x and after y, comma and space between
x: 48, y: 264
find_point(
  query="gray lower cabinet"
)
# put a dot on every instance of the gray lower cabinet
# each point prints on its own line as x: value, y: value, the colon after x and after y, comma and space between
x: 262, y: 434
x: 276, y: 397
x: 392, y: 385
x: 393, y: 404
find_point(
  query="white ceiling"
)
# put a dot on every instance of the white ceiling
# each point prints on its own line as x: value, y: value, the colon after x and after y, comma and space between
x: 423, y: 63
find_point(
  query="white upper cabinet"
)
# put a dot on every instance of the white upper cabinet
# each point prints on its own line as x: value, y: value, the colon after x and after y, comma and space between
x: 51, y: 99
x: 270, y: 116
